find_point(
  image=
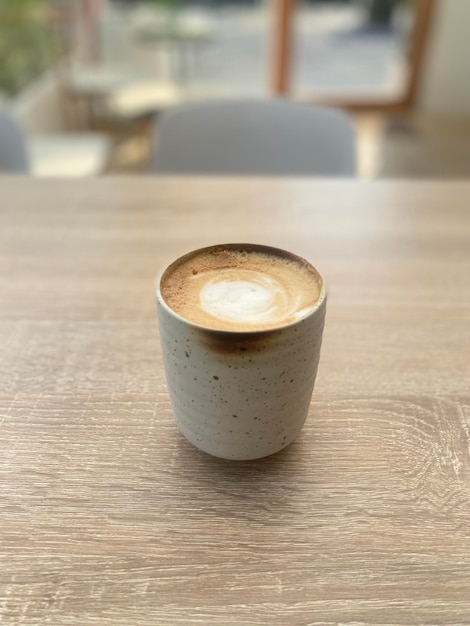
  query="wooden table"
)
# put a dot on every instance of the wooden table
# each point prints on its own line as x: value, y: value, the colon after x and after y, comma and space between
x: 108, y: 516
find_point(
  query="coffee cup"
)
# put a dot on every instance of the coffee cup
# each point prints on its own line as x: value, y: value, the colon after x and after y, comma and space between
x: 241, y: 329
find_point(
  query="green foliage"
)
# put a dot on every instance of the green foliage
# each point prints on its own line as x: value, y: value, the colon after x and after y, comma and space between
x: 27, y: 45
x: 169, y: 5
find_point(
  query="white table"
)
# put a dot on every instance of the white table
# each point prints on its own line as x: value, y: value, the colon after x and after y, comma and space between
x: 69, y: 155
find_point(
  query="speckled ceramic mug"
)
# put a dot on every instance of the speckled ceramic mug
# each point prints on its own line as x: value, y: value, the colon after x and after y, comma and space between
x: 241, y: 395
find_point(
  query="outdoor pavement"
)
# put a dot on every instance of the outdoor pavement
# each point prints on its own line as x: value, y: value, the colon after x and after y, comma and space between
x: 335, y: 53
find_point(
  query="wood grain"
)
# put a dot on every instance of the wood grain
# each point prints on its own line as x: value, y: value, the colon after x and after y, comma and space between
x: 108, y: 516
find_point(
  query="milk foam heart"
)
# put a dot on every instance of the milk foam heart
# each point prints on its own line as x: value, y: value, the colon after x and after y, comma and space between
x: 249, y: 297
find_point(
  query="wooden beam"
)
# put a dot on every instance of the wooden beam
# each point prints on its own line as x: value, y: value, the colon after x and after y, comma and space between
x: 419, y: 40
x: 283, y: 11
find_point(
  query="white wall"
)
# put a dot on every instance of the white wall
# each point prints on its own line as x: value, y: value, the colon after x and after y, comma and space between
x: 445, y: 87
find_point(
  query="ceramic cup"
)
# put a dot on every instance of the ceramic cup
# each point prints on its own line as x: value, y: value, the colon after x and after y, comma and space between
x: 241, y: 395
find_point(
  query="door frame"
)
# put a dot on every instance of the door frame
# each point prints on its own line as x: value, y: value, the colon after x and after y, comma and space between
x: 283, y: 40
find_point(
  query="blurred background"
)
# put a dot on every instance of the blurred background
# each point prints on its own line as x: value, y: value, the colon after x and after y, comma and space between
x: 87, y: 79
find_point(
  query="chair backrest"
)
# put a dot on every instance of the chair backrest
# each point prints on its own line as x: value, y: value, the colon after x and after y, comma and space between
x: 254, y: 137
x: 13, y: 151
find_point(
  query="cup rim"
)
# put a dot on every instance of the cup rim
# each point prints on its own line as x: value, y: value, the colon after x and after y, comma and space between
x: 240, y: 246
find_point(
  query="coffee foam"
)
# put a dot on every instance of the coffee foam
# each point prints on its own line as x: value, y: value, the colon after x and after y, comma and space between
x: 241, y: 289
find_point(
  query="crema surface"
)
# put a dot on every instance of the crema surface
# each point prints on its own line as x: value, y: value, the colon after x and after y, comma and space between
x: 240, y: 289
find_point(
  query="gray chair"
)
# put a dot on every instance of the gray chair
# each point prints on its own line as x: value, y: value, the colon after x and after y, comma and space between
x: 13, y: 150
x: 254, y: 137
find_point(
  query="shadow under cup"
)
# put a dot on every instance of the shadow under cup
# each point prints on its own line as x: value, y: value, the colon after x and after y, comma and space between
x: 241, y: 395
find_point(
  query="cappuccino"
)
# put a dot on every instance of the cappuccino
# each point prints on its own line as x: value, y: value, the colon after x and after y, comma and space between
x: 241, y: 288
x: 240, y: 328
